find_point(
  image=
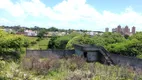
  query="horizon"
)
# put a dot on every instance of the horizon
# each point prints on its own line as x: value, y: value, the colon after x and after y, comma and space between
x: 110, y: 30
x: 92, y: 15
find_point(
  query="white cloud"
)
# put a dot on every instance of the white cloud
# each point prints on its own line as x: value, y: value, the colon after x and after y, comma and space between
x: 72, y: 14
x: 14, y: 9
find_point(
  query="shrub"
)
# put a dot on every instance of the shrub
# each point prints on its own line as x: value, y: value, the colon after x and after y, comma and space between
x: 41, y: 66
x: 33, y: 42
x: 128, y: 48
x: 62, y: 71
x: 81, y: 39
x: 38, y: 39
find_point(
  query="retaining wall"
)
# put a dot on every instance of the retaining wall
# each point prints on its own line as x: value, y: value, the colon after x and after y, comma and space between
x: 117, y: 59
x: 47, y: 53
x: 126, y: 60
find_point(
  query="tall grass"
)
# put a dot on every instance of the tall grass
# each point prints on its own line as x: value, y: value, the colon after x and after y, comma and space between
x: 72, y: 68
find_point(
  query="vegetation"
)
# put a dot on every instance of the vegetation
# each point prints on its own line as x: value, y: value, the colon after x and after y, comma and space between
x: 69, y: 68
x: 73, y: 68
x: 36, y: 43
x: 129, y: 48
x: 113, y: 42
x: 108, y: 38
x: 81, y: 39
x: 11, y: 44
x: 41, y: 33
x: 60, y: 42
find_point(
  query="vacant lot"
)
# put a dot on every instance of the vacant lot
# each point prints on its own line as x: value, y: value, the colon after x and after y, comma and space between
x: 38, y: 43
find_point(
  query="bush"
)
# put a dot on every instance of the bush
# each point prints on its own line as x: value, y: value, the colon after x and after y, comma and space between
x: 33, y: 42
x: 62, y: 41
x: 51, y: 44
x: 108, y: 38
x: 41, y: 66
x: 38, y: 39
x: 10, y: 43
x: 83, y: 39
x: 128, y: 48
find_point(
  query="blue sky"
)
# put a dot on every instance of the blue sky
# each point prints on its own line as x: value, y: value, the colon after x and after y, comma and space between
x: 72, y: 14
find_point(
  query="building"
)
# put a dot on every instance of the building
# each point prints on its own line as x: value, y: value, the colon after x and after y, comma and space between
x: 124, y: 31
x: 8, y: 30
x: 98, y: 32
x: 127, y: 30
x: 93, y: 53
x: 114, y: 29
x: 30, y: 33
x: 20, y: 33
x: 106, y: 29
x: 118, y: 29
x: 133, y: 30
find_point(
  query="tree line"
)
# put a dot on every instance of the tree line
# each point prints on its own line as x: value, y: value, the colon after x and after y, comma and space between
x: 113, y: 42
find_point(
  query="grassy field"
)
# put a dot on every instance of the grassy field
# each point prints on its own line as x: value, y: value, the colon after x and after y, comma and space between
x: 41, y: 44
x: 73, y: 68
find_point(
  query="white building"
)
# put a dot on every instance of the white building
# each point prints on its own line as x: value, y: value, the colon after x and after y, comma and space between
x: 8, y: 30
x: 30, y: 33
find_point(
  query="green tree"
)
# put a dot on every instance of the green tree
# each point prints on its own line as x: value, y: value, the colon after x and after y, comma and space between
x: 41, y: 34
x: 108, y: 38
x: 10, y: 43
x: 126, y: 36
x: 51, y: 44
x: 21, y: 30
x: 137, y: 36
x: 61, y: 42
x: 52, y: 29
x: 81, y: 39
x: 128, y: 47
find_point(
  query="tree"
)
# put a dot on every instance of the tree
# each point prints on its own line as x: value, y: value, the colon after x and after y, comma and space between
x: 128, y: 47
x: 52, y: 29
x: 21, y: 30
x: 137, y: 36
x: 108, y: 38
x: 61, y: 42
x: 41, y: 34
x: 51, y: 44
x: 81, y: 39
x: 10, y: 42
x: 126, y: 36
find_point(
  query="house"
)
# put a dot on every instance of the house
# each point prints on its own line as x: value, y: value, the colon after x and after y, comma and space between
x: 20, y: 33
x: 92, y: 33
x: 98, y: 32
x: 30, y: 33
x: 8, y: 30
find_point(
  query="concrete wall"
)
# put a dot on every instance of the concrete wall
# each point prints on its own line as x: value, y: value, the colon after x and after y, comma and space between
x: 117, y: 59
x: 48, y: 53
x: 79, y: 52
x: 92, y: 56
x: 125, y: 60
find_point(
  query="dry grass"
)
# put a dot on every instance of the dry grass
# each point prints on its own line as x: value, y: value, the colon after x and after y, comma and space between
x: 77, y: 68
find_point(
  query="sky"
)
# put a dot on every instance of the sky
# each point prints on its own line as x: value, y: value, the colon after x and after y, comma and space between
x: 93, y: 15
